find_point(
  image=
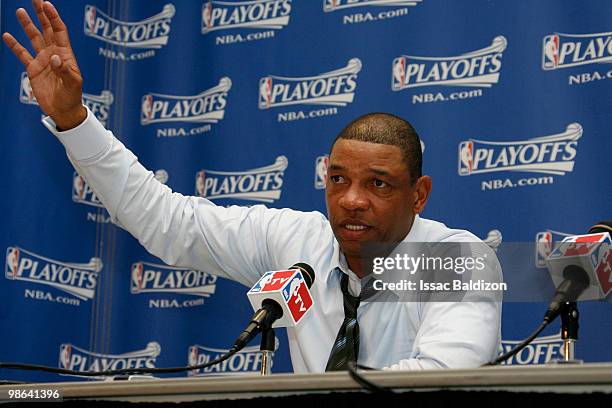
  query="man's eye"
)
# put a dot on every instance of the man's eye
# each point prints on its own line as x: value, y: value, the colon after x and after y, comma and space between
x: 336, y: 179
x: 379, y: 183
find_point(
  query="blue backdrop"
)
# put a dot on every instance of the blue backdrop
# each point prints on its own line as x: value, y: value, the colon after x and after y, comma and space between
x: 239, y: 102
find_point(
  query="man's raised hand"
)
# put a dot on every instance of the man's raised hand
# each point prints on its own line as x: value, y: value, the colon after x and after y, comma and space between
x: 54, y: 74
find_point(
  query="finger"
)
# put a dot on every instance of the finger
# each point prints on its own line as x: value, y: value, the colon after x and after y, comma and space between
x: 30, y: 29
x: 60, y: 32
x: 62, y: 69
x: 44, y: 22
x: 20, y: 52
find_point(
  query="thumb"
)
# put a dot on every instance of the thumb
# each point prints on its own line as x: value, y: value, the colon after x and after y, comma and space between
x: 62, y: 69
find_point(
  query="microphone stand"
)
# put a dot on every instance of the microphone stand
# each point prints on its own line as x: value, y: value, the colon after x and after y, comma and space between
x: 268, y: 340
x: 569, y: 331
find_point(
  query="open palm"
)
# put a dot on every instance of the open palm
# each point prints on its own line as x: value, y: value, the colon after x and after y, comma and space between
x: 54, y: 74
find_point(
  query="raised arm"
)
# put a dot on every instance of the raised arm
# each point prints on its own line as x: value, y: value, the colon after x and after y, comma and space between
x: 238, y: 243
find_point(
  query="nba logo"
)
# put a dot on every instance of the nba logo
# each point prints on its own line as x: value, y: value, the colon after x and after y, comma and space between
x: 544, y: 246
x: 321, y: 171
x: 550, y: 57
x: 604, y: 267
x: 26, y: 95
x: 12, y: 262
x: 580, y: 245
x: 90, y: 19
x: 399, y: 73
x: 293, y: 288
x: 330, y: 5
x: 207, y: 14
x: 79, y: 187
x: 466, y: 158
x: 65, y: 355
x: 147, y: 109
x: 265, y: 279
x: 200, y: 187
x: 265, y: 92
x: 193, y: 357
x: 298, y: 298
x: 137, y: 269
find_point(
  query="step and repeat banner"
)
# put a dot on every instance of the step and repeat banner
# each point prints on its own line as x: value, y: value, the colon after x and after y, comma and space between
x: 239, y: 101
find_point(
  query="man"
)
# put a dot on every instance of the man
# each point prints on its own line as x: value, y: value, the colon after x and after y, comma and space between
x: 374, y: 194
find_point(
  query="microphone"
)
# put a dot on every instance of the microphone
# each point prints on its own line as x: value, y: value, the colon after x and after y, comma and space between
x: 601, y: 226
x: 581, y: 268
x: 280, y: 299
x: 576, y: 280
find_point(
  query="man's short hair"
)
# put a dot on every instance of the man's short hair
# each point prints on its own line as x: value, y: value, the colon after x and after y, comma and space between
x: 385, y: 128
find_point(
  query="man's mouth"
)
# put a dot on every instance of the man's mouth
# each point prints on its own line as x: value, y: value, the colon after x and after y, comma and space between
x: 355, y: 227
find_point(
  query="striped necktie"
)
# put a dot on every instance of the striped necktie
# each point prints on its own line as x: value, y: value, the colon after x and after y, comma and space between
x: 346, y: 346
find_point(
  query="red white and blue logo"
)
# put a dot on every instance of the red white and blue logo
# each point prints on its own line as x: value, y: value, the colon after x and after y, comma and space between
x: 286, y: 287
x: 272, y: 281
x: 593, y: 252
x: 297, y: 297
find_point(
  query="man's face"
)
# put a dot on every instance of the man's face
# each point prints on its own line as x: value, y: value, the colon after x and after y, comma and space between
x: 369, y: 196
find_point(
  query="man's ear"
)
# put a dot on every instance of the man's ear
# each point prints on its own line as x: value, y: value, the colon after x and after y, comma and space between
x: 422, y: 189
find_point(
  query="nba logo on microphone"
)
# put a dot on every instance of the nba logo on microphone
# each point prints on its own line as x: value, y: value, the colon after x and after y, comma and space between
x: 264, y: 281
x: 273, y: 281
x: 297, y: 297
x: 591, y: 252
x: 602, y: 258
x: 582, y: 245
x: 287, y: 288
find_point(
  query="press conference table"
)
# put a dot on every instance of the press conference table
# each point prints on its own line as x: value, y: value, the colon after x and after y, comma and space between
x: 552, y: 378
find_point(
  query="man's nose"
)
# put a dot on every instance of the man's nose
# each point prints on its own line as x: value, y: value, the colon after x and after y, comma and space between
x: 354, y: 199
